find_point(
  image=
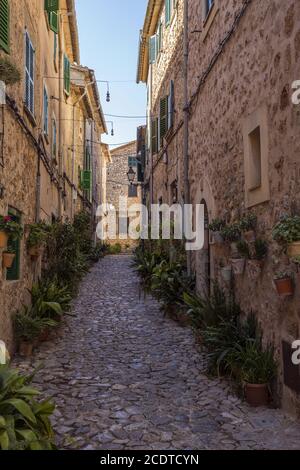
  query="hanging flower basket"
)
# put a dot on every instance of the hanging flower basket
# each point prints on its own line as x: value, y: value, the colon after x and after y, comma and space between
x: 238, y: 266
x: 12, y: 229
x: 8, y: 260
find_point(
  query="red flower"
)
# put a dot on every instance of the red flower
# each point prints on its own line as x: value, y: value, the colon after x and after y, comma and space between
x: 7, y: 219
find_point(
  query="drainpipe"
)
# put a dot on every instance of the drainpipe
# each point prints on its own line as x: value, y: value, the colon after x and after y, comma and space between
x: 38, y: 189
x: 186, y: 119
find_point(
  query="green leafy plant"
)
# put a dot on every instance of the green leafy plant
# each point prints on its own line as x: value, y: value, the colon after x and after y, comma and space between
x: 260, y: 249
x: 231, y: 233
x: 256, y: 364
x: 243, y: 249
x: 248, y: 222
x: 24, y: 419
x: 217, y: 225
x: 13, y: 229
x: 115, y: 249
x: 50, y: 299
x: 283, y: 275
x: 287, y: 230
x: 38, y: 234
x: 28, y: 327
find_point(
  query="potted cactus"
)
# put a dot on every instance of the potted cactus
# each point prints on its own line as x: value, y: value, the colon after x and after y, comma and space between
x: 284, y: 284
x: 8, y: 258
x: 247, y: 226
x: 287, y: 233
x: 216, y: 227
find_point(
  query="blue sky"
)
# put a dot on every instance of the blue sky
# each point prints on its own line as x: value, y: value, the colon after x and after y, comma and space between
x: 108, y: 34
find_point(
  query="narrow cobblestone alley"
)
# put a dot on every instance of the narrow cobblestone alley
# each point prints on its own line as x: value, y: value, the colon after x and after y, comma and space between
x: 125, y: 377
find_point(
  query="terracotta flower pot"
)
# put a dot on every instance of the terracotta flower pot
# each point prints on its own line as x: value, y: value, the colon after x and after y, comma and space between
x: 249, y: 236
x: 35, y: 251
x: 3, y: 239
x: 25, y: 349
x: 45, y: 335
x: 254, y: 267
x: 238, y: 266
x: 8, y: 260
x: 294, y: 250
x: 285, y: 287
x: 257, y: 394
x: 226, y: 273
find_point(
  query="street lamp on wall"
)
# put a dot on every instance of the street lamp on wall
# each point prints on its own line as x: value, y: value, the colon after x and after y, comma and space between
x: 131, y: 175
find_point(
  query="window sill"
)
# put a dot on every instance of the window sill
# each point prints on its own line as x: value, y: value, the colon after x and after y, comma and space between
x: 207, y: 23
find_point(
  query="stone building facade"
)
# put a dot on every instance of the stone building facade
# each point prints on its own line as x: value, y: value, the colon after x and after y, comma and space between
x: 51, y: 121
x: 243, y: 58
x: 122, y: 159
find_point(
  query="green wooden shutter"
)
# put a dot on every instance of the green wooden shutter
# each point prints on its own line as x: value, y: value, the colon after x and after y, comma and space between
x: 171, y: 105
x: 53, y: 21
x: 163, y: 124
x: 152, y: 49
x: 67, y: 75
x: 86, y: 180
x: 4, y: 25
x: 154, y: 137
x: 13, y: 273
x: 168, y: 11
x: 51, y: 5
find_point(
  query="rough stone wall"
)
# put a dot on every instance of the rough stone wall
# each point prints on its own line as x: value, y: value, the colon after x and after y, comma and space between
x: 256, y: 68
x: 117, y: 184
x: 19, y: 172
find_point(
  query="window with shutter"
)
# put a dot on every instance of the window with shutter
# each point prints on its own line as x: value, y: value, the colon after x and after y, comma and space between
x: 51, y: 5
x: 168, y: 7
x: 154, y: 136
x: 54, y: 139
x: 29, y: 74
x: 67, y: 75
x: 163, y: 118
x: 53, y: 21
x: 4, y: 25
x: 13, y: 273
x: 171, y: 105
x: 152, y: 49
x: 46, y: 111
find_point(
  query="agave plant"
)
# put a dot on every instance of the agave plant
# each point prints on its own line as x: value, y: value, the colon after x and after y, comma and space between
x: 24, y: 420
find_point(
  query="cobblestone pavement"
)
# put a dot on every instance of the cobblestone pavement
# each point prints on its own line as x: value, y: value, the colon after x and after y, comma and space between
x: 125, y: 377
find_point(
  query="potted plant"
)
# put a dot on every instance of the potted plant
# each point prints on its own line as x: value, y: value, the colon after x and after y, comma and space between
x: 38, y: 234
x: 257, y: 257
x: 258, y: 369
x: 8, y: 258
x: 284, y: 284
x: 247, y: 226
x: 238, y: 263
x: 287, y: 233
x: 216, y: 227
x: 226, y: 272
x: 9, y: 229
x: 232, y: 234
